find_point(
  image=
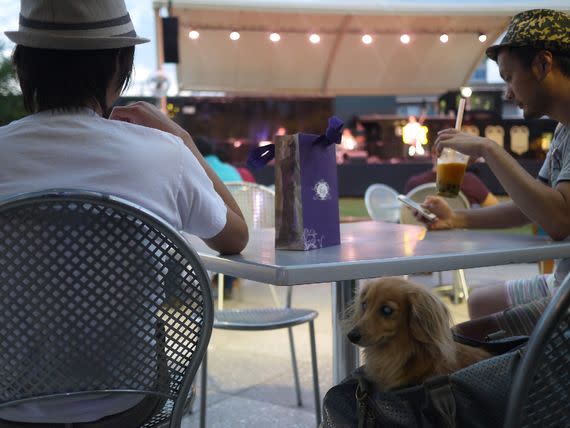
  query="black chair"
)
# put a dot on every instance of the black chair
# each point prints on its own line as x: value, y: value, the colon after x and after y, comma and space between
x: 98, y: 295
x: 540, y: 394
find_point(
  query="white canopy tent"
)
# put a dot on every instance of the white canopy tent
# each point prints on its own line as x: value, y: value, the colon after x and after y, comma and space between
x: 341, y: 64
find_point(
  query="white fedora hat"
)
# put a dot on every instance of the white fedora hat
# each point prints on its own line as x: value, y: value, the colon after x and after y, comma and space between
x: 75, y: 25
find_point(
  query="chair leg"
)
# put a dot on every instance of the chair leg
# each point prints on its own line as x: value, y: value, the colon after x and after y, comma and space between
x: 316, y: 389
x: 295, y: 371
x: 220, y: 291
x: 460, y: 290
x: 203, y: 390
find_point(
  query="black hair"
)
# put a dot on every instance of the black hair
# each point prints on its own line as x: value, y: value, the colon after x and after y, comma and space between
x: 526, y: 55
x: 203, y: 145
x: 69, y: 79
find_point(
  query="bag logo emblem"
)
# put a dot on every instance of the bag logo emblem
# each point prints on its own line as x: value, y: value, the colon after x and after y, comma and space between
x: 322, y: 190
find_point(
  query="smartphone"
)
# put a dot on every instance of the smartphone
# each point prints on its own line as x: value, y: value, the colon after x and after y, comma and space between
x: 428, y: 215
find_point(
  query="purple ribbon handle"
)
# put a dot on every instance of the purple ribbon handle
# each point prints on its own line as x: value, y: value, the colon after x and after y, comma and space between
x: 333, y: 134
x: 262, y: 155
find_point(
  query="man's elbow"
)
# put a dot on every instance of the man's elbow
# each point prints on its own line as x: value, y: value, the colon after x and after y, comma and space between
x: 237, y: 244
x: 231, y: 240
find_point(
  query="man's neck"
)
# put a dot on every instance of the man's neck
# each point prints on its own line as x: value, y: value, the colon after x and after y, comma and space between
x: 560, y: 110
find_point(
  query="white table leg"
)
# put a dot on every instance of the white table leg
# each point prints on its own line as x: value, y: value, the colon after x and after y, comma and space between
x: 345, y: 354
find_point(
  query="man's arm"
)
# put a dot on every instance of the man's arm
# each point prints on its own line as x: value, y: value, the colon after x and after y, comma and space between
x: 234, y: 236
x: 546, y: 206
x: 495, y: 217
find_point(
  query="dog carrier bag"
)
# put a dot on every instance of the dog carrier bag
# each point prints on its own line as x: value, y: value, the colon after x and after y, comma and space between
x: 473, y: 397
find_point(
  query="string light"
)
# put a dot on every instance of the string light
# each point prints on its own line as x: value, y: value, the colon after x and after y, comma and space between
x: 466, y: 92
x: 367, y: 39
x: 315, y: 38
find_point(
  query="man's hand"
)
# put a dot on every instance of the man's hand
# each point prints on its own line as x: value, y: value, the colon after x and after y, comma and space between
x: 471, y: 145
x: 145, y: 114
x: 445, y: 214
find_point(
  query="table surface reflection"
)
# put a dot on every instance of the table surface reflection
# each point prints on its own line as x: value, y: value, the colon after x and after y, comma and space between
x: 373, y: 249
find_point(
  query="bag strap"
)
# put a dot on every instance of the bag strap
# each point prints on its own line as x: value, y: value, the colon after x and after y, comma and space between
x: 441, y: 396
x: 362, y: 391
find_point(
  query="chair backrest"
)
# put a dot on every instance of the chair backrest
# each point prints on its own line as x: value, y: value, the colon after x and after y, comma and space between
x: 382, y: 203
x: 257, y: 203
x: 540, y: 393
x: 98, y: 294
x: 419, y: 193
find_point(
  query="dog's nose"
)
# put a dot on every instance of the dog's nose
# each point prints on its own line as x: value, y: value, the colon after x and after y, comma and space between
x: 354, y: 336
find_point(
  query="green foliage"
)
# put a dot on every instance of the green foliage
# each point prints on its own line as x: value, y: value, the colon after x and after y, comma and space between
x: 11, y: 103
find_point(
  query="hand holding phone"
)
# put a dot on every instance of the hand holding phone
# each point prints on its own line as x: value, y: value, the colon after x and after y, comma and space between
x: 428, y: 215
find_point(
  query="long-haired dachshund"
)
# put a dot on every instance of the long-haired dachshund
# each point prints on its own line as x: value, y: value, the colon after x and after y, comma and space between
x: 405, y: 332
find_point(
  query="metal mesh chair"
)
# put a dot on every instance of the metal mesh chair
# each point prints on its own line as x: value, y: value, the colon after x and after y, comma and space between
x: 382, y: 203
x: 257, y: 203
x: 98, y: 295
x: 540, y: 393
x: 458, y: 290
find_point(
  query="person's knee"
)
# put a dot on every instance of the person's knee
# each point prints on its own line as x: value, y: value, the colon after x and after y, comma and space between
x: 486, y: 300
x: 476, y: 303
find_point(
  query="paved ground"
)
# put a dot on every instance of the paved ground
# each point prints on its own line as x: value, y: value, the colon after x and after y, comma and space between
x: 250, y: 383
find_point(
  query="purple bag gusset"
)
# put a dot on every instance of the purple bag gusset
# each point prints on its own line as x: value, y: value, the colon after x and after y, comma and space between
x: 306, y: 188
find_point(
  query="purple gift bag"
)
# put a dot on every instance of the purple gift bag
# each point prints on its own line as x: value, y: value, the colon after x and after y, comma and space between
x: 306, y: 188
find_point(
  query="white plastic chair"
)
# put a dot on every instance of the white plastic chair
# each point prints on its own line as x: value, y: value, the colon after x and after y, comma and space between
x: 382, y: 203
x: 257, y: 204
x: 458, y: 289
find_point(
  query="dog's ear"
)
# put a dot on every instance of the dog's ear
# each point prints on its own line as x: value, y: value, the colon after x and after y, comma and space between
x: 429, y: 318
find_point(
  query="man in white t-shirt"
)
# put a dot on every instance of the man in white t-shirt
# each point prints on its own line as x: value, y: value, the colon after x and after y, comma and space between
x: 73, y: 58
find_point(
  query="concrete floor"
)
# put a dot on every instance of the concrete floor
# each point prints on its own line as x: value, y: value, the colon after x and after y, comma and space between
x: 250, y: 381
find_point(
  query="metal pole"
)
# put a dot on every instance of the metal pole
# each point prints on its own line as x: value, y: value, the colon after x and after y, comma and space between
x: 346, y: 356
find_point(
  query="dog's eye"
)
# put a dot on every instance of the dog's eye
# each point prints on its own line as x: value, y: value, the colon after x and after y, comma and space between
x: 363, y: 306
x: 386, y: 310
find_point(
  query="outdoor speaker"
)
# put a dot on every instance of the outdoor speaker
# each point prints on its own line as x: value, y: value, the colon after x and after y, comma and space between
x: 170, y: 38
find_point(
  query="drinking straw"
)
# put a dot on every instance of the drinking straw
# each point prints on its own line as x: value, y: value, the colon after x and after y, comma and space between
x: 460, y: 111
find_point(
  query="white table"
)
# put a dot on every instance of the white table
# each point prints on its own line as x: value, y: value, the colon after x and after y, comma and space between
x: 375, y: 249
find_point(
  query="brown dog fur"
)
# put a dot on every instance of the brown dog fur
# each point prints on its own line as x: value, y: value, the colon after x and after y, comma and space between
x: 405, y: 332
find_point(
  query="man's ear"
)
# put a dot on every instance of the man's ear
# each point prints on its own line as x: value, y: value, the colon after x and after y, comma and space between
x: 542, y: 64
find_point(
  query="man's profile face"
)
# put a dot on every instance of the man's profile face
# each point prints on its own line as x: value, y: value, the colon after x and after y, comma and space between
x: 523, y: 88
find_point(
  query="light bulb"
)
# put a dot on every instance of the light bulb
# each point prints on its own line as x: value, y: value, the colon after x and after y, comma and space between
x: 405, y: 39
x: 314, y: 38
x: 234, y: 35
x: 367, y: 39
x: 466, y: 92
x: 274, y: 37
x: 444, y: 38
x: 482, y: 38
x: 193, y: 34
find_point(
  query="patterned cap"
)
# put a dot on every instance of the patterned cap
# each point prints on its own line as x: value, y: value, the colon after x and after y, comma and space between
x: 537, y: 28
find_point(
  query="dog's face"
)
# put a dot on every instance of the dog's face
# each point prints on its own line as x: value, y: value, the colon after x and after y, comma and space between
x: 394, y: 308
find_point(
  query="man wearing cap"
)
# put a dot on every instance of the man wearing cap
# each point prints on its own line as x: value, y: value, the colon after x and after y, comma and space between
x: 72, y: 59
x: 534, y: 61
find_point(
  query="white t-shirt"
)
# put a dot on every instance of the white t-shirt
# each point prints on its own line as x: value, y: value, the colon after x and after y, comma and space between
x: 81, y: 150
